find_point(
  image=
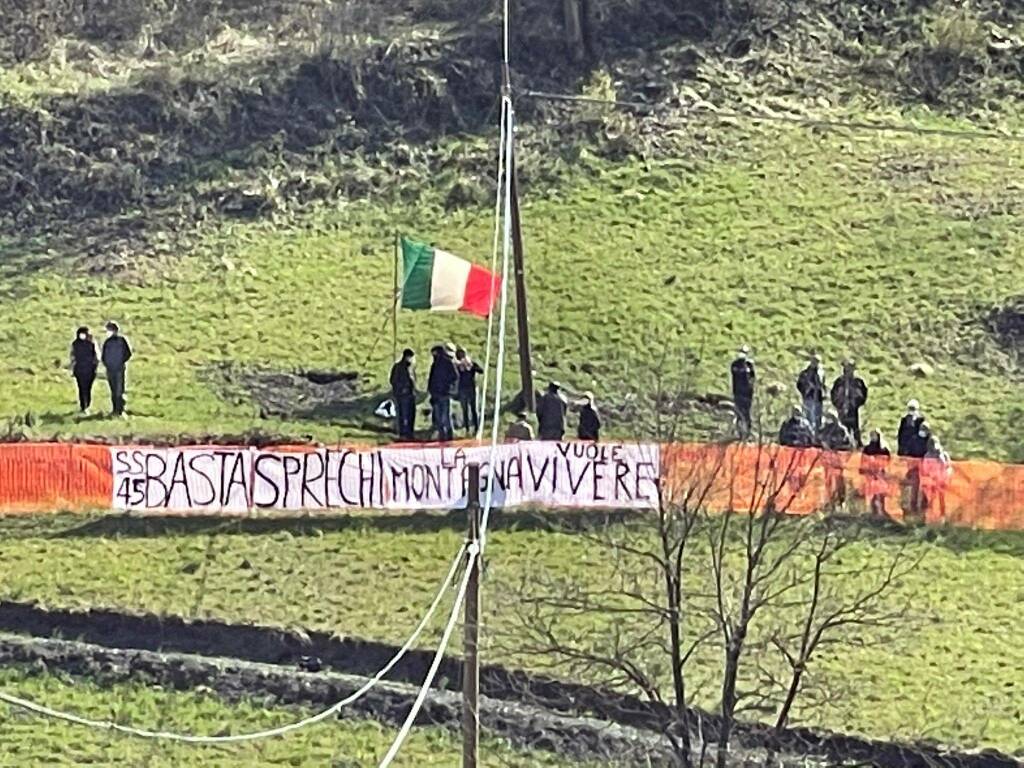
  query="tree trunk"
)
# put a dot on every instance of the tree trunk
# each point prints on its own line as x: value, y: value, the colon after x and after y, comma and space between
x: 732, y: 666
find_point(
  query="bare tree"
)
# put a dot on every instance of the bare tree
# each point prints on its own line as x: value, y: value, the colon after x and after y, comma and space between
x: 751, y: 591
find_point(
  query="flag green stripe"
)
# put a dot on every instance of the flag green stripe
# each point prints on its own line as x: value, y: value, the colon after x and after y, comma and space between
x: 417, y: 266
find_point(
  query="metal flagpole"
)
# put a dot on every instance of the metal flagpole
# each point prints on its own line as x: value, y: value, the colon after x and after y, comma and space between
x: 394, y: 302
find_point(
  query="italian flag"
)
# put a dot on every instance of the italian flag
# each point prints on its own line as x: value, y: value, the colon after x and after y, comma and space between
x: 437, y: 280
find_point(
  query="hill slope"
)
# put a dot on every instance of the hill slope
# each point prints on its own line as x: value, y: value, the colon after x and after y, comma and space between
x: 228, y: 183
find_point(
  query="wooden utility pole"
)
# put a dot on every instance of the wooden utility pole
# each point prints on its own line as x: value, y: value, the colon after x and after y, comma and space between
x: 525, y: 361
x: 471, y: 627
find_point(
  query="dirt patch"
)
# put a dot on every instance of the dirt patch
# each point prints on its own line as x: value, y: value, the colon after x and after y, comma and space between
x: 295, y: 394
x: 972, y: 206
x: 528, y: 727
x: 1006, y: 324
x: 125, y: 636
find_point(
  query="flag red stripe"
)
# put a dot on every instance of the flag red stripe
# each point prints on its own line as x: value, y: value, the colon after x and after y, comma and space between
x: 480, y: 297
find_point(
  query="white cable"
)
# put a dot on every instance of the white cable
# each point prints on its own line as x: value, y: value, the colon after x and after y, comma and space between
x: 108, y: 725
x: 403, y: 734
x: 505, y: 24
x: 475, y: 548
x: 502, y: 325
x: 494, y: 264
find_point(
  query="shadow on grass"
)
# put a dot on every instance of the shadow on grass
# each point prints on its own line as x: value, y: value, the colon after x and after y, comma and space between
x: 126, y: 526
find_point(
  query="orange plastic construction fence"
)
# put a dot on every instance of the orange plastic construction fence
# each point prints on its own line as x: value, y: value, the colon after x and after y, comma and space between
x: 977, y: 494
x: 39, y: 477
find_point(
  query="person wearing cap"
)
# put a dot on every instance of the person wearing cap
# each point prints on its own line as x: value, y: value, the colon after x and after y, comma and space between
x: 551, y: 409
x: 796, y: 431
x: 849, y: 394
x: 84, y: 362
x: 468, y: 370
x: 743, y: 377
x: 908, y: 429
x: 442, y: 384
x: 403, y: 392
x: 520, y: 429
x: 811, y: 386
x: 590, y: 423
x: 116, y: 354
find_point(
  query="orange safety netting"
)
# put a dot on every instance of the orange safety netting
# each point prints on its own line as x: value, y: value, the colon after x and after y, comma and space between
x: 38, y: 477
x: 54, y: 476
x: 977, y: 494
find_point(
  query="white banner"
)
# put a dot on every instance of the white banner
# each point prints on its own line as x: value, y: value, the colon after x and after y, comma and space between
x: 242, y: 479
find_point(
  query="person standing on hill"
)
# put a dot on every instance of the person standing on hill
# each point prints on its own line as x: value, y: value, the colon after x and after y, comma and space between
x: 551, y: 410
x: 873, y: 465
x: 811, y: 386
x: 116, y: 354
x: 908, y: 428
x: 442, y: 385
x: 590, y: 423
x: 468, y: 370
x: 403, y: 392
x: 743, y: 378
x: 849, y: 394
x: 84, y: 362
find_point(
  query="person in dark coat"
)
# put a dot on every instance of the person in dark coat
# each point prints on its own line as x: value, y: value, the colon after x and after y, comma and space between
x: 873, y: 465
x: 520, y: 429
x: 811, y: 386
x: 849, y: 394
x: 551, y: 409
x: 743, y: 378
x: 834, y: 436
x: 905, y: 434
x: 84, y: 362
x: 796, y: 431
x: 468, y: 370
x: 403, y: 392
x: 442, y: 386
x: 116, y: 354
x: 915, y: 446
x: 590, y: 423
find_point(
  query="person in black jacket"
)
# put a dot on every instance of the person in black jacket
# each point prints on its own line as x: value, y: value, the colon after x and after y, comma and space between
x: 84, y: 362
x: 590, y: 423
x: 551, y: 409
x: 743, y: 377
x: 908, y: 428
x: 468, y: 370
x: 116, y: 354
x: 849, y: 394
x: 796, y: 431
x: 403, y: 392
x: 811, y: 386
x: 442, y: 386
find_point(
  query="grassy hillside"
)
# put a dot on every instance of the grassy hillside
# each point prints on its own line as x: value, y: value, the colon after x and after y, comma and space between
x: 952, y: 673
x: 231, y: 193
x: 29, y: 740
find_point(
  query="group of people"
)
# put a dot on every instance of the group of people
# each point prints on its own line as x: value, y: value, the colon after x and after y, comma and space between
x: 85, y: 362
x: 839, y: 429
x: 453, y: 378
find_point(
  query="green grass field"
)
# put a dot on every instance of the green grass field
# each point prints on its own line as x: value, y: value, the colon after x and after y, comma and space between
x: 793, y: 241
x: 952, y: 673
x: 29, y: 740
x: 653, y: 250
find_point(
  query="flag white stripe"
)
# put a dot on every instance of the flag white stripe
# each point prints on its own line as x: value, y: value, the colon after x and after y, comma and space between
x: 448, y: 281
